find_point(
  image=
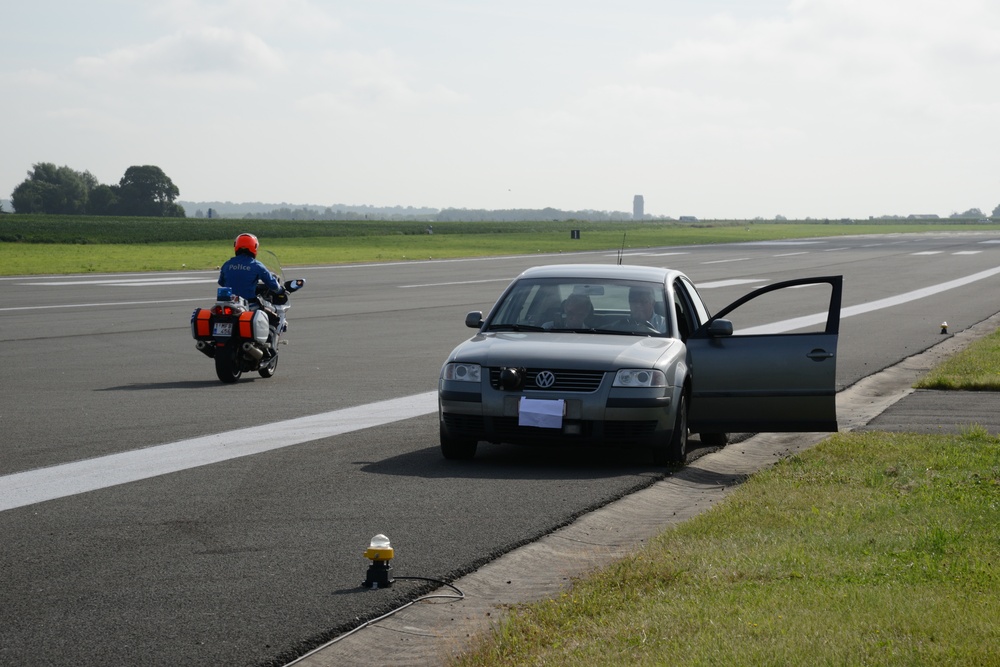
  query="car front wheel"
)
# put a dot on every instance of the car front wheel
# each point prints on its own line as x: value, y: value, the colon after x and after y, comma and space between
x: 458, y: 449
x: 675, y: 451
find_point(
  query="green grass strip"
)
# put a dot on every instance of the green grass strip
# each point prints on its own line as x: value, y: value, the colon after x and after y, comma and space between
x: 31, y: 245
x: 976, y: 368
x: 870, y: 548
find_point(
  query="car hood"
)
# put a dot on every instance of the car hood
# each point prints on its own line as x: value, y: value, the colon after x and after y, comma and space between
x: 565, y: 350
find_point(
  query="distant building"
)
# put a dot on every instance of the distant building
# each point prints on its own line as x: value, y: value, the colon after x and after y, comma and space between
x: 637, y: 208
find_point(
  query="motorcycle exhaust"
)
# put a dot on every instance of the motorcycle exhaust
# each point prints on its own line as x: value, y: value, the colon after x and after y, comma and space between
x: 253, y: 351
x: 205, y: 348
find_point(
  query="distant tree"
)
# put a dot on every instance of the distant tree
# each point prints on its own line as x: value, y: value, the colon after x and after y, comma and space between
x: 996, y: 211
x: 147, y: 191
x: 103, y: 200
x: 32, y: 197
x: 52, y: 189
x: 971, y: 213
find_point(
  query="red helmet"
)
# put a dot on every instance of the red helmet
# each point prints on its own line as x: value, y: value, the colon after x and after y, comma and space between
x: 246, y: 242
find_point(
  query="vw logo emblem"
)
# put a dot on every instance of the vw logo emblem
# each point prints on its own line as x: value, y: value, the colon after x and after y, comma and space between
x: 545, y: 379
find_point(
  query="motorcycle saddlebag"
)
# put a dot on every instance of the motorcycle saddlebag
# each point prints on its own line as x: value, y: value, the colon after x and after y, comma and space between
x: 201, y: 325
x: 254, y: 326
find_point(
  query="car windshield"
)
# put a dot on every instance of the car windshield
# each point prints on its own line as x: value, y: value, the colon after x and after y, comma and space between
x: 626, y: 307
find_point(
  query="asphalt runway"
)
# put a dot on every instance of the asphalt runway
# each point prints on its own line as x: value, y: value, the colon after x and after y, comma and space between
x: 258, y: 558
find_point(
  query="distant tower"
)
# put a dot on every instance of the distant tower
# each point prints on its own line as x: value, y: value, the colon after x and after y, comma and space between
x: 637, y: 206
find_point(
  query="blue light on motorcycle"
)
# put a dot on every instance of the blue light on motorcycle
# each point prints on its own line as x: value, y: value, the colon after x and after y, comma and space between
x: 224, y: 294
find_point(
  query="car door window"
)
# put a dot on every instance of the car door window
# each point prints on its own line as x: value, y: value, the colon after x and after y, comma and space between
x: 787, y: 307
x: 772, y: 367
x: 698, y: 311
x: 687, y: 314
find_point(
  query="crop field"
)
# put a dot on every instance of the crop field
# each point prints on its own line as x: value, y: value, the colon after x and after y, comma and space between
x: 39, y: 244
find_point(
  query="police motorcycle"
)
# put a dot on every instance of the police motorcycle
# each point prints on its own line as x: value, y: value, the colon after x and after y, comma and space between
x: 243, y: 336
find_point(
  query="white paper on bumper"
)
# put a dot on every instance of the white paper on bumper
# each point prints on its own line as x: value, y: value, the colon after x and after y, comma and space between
x: 540, y: 413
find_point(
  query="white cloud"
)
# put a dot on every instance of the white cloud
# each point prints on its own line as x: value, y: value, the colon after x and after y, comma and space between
x: 219, y: 55
x: 357, y: 83
x: 296, y: 17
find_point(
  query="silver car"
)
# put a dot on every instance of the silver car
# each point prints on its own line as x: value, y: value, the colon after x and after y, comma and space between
x: 629, y: 356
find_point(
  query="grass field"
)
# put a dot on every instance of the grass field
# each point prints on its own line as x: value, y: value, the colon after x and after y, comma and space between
x: 31, y: 245
x: 869, y: 549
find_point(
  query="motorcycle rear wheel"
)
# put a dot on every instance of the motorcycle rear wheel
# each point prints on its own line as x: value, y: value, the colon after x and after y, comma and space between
x: 227, y: 364
x: 268, y: 370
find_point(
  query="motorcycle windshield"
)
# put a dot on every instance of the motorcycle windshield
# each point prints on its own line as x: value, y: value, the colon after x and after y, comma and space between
x: 270, y: 260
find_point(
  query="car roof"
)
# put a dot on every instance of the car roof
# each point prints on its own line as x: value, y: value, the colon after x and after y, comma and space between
x: 619, y: 271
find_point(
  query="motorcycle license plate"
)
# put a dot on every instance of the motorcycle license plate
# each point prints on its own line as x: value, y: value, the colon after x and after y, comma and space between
x: 222, y: 329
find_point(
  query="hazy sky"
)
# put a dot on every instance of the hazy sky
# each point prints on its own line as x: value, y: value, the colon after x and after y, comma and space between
x: 711, y: 108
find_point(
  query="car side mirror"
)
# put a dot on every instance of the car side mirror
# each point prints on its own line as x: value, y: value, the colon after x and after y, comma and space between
x: 474, y: 320
x: 720, y: 328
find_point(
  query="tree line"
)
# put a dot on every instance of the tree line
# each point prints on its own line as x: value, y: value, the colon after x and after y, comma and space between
x: 142, y: 191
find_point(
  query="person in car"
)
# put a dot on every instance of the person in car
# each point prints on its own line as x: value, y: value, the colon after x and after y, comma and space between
x: 576, y: 312
x: 640, y: 303
x: 244, y: 270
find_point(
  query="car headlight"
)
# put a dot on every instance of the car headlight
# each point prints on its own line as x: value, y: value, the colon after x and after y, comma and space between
x: 463, y: 372
x: 640, y: 377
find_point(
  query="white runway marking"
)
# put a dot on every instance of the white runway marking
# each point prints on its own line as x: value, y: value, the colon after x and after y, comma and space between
x: 35, y: 486
x: 781, y: 243
x: 460, y: 282
x: 729, y: 283
x: 879, y: 304
x: 100, y: 305
x: 128, y: 282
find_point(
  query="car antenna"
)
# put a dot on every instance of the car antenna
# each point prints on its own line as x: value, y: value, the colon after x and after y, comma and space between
x: 622, y: 251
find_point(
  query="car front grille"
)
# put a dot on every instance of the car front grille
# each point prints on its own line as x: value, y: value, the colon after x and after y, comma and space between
x: 565, y: 380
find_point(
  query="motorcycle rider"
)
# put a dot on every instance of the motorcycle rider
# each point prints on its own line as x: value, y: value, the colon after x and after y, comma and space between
x: 241, y: 274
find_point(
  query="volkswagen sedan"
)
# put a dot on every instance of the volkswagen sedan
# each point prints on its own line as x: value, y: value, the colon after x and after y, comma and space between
x: 629, y: 356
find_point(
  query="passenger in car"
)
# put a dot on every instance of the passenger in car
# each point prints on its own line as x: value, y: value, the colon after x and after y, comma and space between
x: 640, y: 303
x: 577, y: 310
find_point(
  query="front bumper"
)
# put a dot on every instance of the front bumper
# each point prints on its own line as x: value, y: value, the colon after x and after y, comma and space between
x: 608, y: 416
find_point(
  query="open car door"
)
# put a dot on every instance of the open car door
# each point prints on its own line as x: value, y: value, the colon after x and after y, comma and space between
x: 778, y: 377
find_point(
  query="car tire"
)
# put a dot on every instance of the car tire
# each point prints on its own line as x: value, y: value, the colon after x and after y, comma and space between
x: 714, y: 439
x: 675, y: 451
x: 457, y: 449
